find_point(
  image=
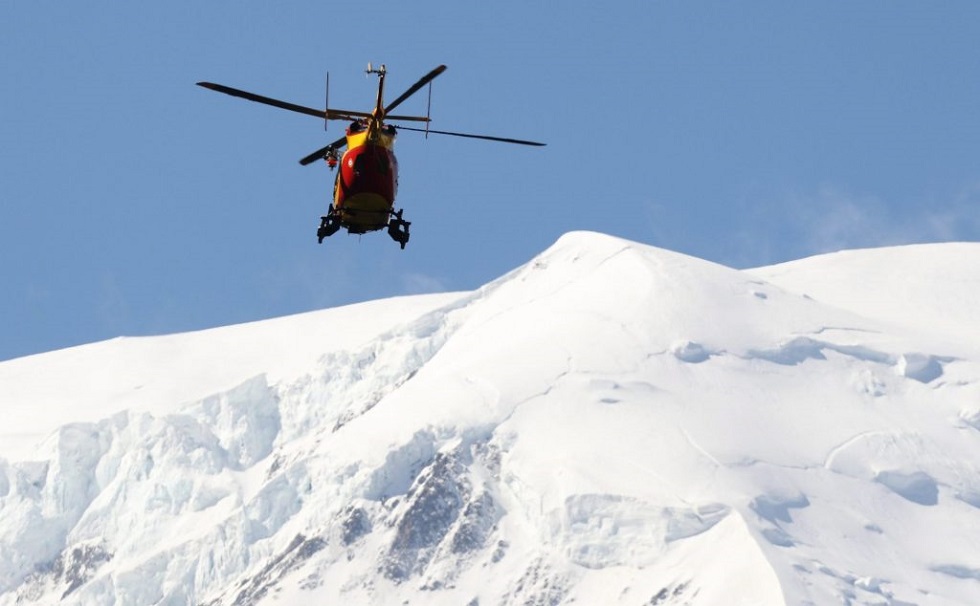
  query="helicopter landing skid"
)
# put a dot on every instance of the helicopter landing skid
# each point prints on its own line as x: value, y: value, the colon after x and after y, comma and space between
x: 398, y: 229
x: 329, y: 225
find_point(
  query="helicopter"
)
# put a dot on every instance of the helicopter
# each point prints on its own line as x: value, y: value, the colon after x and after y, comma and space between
x: 367, y: 181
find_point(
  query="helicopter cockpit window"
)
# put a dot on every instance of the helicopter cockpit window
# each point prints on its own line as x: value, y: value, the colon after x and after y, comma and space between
x: 360, y: 163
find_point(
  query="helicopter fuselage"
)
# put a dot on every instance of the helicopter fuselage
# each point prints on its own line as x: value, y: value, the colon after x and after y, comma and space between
x: 367, y: 179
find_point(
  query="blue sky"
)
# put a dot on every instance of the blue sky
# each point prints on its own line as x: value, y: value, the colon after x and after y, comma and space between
x: 136, y: 203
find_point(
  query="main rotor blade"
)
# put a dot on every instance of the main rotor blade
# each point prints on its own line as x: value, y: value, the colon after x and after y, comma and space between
x: 468, y: 136
x: 320, y: 153
x: 330, y: 114
x: 234, y: 92
x: 415, y: 88
x: 346, y: 114
x: 408, y: 118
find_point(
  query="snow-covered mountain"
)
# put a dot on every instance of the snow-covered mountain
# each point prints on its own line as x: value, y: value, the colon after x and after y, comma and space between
x: 610, y: 423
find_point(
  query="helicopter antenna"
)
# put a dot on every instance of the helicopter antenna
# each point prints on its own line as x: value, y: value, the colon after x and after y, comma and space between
x: 428, y: 111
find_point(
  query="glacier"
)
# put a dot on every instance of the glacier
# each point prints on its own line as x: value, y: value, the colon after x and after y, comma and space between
x: 610, y: 423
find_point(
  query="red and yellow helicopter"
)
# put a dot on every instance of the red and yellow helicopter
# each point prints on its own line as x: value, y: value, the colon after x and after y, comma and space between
x: 367, y: 182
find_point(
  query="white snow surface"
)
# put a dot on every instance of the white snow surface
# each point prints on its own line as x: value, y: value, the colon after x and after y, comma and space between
x: 611, y: 423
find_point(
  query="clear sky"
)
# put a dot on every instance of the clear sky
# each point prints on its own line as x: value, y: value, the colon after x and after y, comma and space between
x: 749, y: 133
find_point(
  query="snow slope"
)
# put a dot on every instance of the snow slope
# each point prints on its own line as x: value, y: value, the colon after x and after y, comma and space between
x: 159, y: 374
x: 930, y: 287
x: 610, y: 423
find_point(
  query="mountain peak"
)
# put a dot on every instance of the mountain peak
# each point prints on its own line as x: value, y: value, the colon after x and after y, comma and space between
x: 608, y: 423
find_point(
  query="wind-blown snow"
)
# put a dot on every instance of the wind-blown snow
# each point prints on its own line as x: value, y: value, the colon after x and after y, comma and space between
x: 610, y: 423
